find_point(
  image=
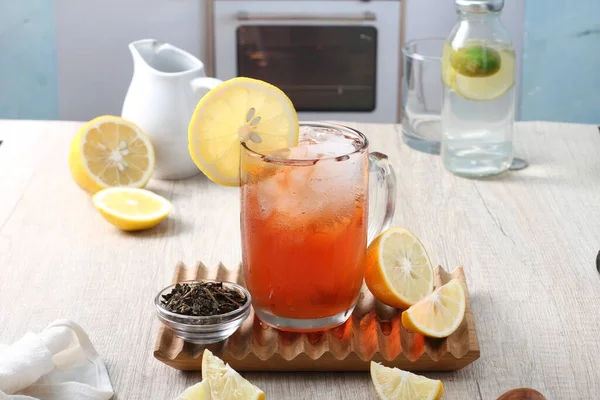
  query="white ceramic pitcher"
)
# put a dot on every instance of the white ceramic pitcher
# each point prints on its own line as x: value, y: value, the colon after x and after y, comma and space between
x: 167, y: 84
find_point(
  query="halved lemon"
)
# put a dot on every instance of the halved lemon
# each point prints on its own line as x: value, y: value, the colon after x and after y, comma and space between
x: 131, y: 209
x: 199, y: 391
x: 225, y: 382
x: 398, y: 271
x: 439, y: 314
x: 396, y: 384
x: 111, y: 151
x: 240, y: 109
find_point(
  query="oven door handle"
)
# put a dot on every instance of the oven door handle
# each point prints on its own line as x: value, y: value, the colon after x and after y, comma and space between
x: 359, y: 17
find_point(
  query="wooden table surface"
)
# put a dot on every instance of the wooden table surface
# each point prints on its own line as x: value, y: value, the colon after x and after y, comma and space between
x: 528, y: 241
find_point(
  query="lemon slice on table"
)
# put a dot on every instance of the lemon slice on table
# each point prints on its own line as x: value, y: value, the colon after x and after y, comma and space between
x: 396, y: 384
x: 240, y: 109
x: 225, y: 382
x: 131, y: 209
x: 439, y: 314
x: 199, y: 391
x: 111, y: 151
x: 398, y: 271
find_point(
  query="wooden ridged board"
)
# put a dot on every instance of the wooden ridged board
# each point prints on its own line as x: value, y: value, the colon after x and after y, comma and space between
x: 374, y: 332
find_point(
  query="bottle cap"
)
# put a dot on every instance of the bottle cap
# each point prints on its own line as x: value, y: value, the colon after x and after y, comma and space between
x: 479, y: 6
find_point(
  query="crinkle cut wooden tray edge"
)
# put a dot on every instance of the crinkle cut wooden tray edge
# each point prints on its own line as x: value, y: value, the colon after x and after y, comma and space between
x: 374, y: 332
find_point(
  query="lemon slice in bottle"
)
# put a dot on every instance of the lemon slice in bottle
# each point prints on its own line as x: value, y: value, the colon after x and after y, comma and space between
x: 240, y: 109
x: 476, y: 74
x: 439, y: 314
x: 396, y: 384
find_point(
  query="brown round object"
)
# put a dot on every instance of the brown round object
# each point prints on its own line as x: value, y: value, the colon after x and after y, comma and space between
x: 522, y: 394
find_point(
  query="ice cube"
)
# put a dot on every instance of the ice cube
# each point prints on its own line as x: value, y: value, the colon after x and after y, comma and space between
x: 314, y: 151
x: 330, y: 149
x: 291, y: 153
x: 299, y: 153
x: 280, y: 153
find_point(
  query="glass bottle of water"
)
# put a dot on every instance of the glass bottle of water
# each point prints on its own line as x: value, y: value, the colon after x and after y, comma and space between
x: 478, y: 105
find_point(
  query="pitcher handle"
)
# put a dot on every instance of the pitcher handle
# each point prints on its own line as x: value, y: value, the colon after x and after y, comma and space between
x: 201, y: 86
x: 382, y: 194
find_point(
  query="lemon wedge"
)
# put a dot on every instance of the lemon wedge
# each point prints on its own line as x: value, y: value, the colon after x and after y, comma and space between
x: 240, y: 109
x: 199, y: 391
x: 225, y: 382
x: 131, y: 209
x: 111, y: 151
x: 398, y: 270
x: 439, y: 314
x: 396, y: 384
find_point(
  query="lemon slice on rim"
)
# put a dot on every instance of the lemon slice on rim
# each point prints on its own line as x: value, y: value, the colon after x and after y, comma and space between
x: 396, y: 384
x: 398, y: 271
x: 131, y: 209
x: 225, y: 382
x: 111, y: 151
x: 240, y: 109
x: 439, y: 314
x: 199, y: 391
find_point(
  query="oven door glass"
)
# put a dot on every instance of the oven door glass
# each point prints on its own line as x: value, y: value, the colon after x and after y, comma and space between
x: 321, y: 68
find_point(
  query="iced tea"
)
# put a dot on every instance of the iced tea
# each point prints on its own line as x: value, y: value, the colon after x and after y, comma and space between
x: 304, y: 228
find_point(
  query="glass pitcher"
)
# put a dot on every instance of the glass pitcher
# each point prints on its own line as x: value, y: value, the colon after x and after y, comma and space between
x: 478, y: 104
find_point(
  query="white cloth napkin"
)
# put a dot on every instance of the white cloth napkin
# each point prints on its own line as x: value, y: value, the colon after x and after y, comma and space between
x: 59, y: 363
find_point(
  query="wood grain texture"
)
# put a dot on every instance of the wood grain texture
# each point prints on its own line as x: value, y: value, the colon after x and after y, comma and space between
x: 373, y: 332
x: 528, y: 241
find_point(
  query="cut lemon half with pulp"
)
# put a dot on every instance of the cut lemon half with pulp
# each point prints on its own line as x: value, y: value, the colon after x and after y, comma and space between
x: 111, y: 151
x: 439, y: 314
x: 240, y: 109
x: 398, y: 271
x: 199, y: 391
x: 396, y: 384
x: 131, y: 209
x: 225, y: 382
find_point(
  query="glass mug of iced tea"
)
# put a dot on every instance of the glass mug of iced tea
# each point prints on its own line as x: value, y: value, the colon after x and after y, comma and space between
x: 304, y: 224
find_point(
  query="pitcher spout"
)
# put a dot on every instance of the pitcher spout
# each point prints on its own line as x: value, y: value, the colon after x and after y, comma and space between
x: 163, y: 58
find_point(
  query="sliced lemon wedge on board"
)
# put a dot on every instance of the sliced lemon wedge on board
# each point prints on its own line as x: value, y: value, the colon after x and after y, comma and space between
x: 398, y: 270
x: 111, y: 151
x: 199, y: 391
x: 439, y: 314
x: 396, y: 384
x: 131, y: 209
x: 225, y: 382
x: 240, y: 109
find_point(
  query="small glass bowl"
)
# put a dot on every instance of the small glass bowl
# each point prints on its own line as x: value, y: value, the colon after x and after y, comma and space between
x: 204, y: 329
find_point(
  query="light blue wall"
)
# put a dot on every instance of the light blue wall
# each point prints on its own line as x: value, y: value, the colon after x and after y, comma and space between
x: 28, y: 76
x: 561, y: 61
x: 560, y: 77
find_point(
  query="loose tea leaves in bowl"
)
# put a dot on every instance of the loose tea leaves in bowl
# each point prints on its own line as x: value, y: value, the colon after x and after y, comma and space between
x: 203, y: 311
x: 202, y: 299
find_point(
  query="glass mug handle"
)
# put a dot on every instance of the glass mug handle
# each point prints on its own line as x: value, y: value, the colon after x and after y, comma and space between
x: 382, y: 194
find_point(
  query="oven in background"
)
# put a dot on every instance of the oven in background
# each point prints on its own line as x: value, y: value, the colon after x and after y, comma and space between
x: 341, y: 62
